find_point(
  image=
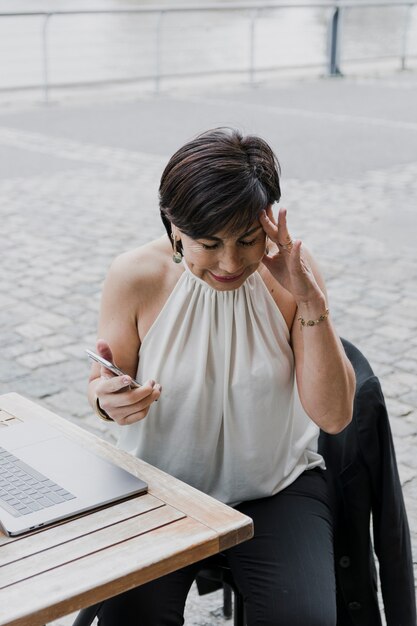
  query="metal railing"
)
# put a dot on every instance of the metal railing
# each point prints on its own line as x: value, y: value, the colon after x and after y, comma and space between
x: 336, y: 22
x: 336, y: 15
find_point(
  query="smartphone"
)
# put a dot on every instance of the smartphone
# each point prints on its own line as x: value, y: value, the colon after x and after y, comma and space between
x: 110, y: 366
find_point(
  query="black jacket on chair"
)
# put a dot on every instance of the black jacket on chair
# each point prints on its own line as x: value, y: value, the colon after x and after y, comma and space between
x: 365, y: 486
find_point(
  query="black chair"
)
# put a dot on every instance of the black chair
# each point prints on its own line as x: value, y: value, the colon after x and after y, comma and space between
x: 363, y: 478
x: 216, y: 575
x: 86, y: 616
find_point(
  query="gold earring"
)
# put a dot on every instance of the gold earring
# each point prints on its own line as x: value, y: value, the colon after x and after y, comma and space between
x: 177, y: 255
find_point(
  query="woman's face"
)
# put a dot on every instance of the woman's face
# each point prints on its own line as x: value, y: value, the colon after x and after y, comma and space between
x: 224, y: 261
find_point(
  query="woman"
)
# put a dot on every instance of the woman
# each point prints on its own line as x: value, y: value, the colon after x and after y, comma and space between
x: 226, y: 320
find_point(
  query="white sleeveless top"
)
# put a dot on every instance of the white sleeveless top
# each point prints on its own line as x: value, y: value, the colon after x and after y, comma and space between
x: 229, y: 420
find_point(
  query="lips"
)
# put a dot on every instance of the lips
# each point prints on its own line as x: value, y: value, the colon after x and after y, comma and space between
x: 227, y: 278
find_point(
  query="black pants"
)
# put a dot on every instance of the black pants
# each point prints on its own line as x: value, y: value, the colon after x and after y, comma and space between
x: 285, y: 572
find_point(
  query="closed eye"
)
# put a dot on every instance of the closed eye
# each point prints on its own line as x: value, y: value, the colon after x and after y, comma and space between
x: 241, y: 242
x: 249, y: 243
x: 212, y: 247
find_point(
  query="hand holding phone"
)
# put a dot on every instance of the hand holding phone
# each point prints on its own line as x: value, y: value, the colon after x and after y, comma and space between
x: 123, y: 399
x: 111, y: 366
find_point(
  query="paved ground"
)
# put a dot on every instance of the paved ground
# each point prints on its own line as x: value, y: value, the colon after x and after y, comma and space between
x: 78, y: 184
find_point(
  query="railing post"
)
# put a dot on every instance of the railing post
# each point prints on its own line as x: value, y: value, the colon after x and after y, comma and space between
x: 45, y: 59
x: 406, y: 30
x: 158, y: 60
x: 334, y: 50
x: 254, y: 15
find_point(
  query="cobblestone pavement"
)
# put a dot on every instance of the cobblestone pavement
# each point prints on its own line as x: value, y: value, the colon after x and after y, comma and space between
x: 61, y: 228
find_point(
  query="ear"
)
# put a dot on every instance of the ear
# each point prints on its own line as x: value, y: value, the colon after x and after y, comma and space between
x: 175, y: 233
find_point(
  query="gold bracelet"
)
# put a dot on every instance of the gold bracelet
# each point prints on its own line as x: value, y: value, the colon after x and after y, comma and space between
x: 322, y: 317
x: 102, y: 414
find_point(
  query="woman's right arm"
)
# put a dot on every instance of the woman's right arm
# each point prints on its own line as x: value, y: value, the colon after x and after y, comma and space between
x: 120, y: 343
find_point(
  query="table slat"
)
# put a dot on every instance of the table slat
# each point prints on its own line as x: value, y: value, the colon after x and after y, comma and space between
x: 48, y: 596
x: 46, y: 538
x: 93, y: 542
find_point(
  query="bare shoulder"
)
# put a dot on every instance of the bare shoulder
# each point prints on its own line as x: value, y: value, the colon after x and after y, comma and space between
x: 138, y: 284
x: 143, y: 270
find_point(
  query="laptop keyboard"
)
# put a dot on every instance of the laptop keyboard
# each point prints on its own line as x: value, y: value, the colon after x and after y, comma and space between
x: 23, y: 490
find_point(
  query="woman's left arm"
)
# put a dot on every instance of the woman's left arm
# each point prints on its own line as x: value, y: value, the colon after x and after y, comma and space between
x: 325, y: 377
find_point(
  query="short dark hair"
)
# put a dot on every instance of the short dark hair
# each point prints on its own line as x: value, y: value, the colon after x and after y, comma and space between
x: 218, y: 180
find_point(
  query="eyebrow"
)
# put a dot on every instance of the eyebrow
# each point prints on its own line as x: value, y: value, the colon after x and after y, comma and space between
x: 249, y: 232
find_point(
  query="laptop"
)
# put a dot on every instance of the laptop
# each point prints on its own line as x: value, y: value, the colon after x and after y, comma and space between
x: 45, y: 476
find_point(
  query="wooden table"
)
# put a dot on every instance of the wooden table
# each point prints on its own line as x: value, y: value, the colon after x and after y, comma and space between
x: 74, y: 564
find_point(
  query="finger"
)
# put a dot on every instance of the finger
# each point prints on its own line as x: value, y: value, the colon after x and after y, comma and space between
x: 136, y: 395
x: 295, y: 258
x: 115, y: 401
x: 270, y: 213
x: 132, y: 418
x: 147, y: 395
x: 104, y: 350
x: 269, y: 225
x: 145, y: 403
x: 284, y: 235
x: 112, y: 384
x: 137, y: 411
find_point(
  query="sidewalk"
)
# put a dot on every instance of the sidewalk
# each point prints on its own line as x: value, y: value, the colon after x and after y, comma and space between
x: 78, y: 185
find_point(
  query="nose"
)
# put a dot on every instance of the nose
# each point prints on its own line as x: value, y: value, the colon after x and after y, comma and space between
x: 231, y: 261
